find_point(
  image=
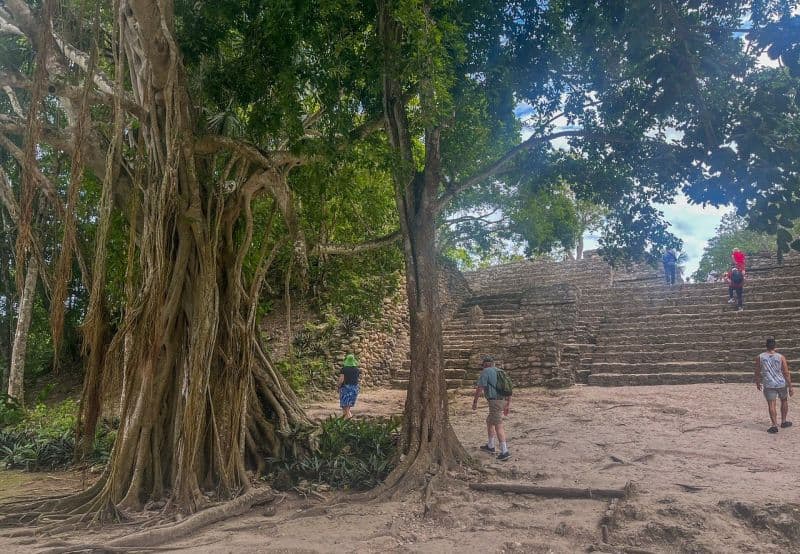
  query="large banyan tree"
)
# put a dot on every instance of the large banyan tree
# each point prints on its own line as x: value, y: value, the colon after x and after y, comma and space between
x: 108, y: 85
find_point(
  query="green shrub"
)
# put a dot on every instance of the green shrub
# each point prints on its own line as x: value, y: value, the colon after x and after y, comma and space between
x: 352, y: 454
x: 11, y: 412
x: 306, y: 374
x: 43, y: 439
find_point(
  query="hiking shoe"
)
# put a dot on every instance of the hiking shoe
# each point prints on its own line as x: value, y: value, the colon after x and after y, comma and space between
x: 731, y: 300
x: 786, y: 424
x: 772, y: 429
x: 741, y: 309
x: 503, y: 456
x: 485, y: 448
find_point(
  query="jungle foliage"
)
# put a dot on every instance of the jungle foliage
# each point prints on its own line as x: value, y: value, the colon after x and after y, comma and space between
x: 353, y: 454
x: 43, y: 438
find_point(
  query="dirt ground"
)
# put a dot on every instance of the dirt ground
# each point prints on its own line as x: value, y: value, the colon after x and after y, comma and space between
x: 708, y: 478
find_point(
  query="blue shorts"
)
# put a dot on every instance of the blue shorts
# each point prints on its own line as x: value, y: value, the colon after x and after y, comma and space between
x: 348, y: 395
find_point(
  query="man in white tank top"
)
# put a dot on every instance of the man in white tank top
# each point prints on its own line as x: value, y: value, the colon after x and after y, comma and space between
x: 772, y: 375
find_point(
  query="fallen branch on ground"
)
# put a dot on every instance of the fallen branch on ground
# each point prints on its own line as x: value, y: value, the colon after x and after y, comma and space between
x: 692, y: 488
x: 601, y: 549
x: 554, y: 492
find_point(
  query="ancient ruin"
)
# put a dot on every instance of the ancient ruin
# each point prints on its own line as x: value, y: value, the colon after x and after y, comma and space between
x: 560, y: 323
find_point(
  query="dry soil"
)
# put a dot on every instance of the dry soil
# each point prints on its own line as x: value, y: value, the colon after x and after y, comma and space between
x: 708, y: 478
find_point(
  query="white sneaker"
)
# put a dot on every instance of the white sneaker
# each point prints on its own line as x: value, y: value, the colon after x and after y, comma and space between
x: 731, y: 300
x: 740, y: 309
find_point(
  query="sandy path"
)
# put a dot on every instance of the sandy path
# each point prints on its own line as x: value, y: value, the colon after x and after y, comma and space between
x: 709, y: 436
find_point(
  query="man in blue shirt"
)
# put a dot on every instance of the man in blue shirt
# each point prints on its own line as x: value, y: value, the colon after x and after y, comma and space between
x: 498, y: 407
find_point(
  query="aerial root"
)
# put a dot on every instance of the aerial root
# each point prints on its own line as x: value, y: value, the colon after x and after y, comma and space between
x: 150, y: 539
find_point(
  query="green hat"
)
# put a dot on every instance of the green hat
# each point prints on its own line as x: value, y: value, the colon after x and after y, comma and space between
x: 350, y: 361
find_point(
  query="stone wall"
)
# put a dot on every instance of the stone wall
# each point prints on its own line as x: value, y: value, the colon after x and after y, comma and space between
x: 519, y: 276
x: 531, y: 345
x: 381, y: 345
x: 453, y: 291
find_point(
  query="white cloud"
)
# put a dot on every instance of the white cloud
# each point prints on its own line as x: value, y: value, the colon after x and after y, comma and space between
x: 692, y: 223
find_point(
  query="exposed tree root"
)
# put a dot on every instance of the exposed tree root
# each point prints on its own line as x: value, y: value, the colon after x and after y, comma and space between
x: 420, y: 468
x: 152, y: 538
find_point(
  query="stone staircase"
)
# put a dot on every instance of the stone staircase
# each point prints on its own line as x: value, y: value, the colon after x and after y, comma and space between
x: 648, y: 334
x: 466, y: 340
x: 555, y: 323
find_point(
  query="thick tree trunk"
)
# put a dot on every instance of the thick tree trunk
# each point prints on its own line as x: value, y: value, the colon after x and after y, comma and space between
x: 198, y: 397
x: 16, y: 374
x: 429, y: 442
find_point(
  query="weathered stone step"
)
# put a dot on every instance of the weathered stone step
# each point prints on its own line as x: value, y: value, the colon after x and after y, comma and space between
x: 659, y: 287
x: 455, y: 364
x: 466, y: 337
x: 450, y: 383
x: 457, y: 352
x: 474, y: 327
x: 449, y: 373
x: 488, y: 317
x: 691, y: 325
x: 621, y: 380
x: 751, y: 310
x: 490, y: 304
x: 689, y: 292
x: 616, y: 305
x: 720, y: 355
x: 622, y: 305
x: 720, y: 337
x: 680, y: 367
x: 784, y: 343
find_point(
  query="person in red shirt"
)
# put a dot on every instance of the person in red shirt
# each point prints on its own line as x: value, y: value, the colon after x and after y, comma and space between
x: 738, y: 258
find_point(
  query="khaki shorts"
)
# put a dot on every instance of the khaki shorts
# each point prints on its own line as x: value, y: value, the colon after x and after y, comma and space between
x: 496, y: 407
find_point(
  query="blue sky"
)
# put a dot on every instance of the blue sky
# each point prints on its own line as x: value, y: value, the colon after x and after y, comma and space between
x: 692, y: 223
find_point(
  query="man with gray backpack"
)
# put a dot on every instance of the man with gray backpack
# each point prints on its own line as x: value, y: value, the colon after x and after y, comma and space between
x: 497, y: 388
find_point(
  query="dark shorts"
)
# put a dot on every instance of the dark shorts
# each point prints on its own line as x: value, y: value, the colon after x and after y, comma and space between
x: 772, y: 394
x: 348, y: 395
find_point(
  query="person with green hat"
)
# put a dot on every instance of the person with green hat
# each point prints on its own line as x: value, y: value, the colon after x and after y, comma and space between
x: 348, y: 385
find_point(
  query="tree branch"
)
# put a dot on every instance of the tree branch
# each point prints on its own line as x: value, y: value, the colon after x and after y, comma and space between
x: 47, y: 187
x: 481, y: 218
x: 211, y: 144
x: 81, y: 59
x: 350, y: 249
x: 23, y: 19
x: 7, y: 197
x: 498, y: 165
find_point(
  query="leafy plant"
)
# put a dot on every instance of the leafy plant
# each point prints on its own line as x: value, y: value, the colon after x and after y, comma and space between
x: 11, y: 412
x: 352, y: 454
x: 304, y: 374
x: 43, y: 439
x: 349, y: 324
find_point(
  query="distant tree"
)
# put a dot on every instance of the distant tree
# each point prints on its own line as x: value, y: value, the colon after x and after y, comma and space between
x: 591, y: 217
x: 731, y: 233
